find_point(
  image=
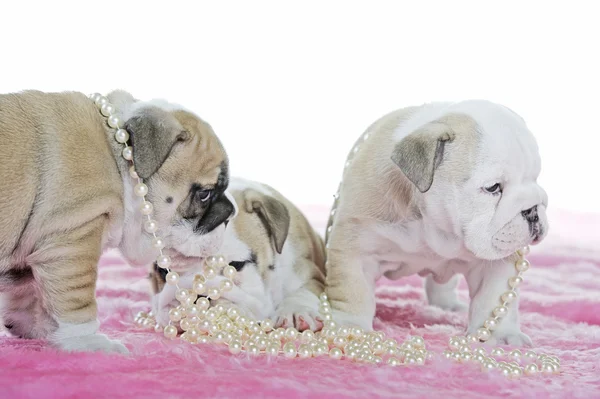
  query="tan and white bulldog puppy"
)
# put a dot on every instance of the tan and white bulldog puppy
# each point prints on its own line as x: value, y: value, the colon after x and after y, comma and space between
x: 66, y: 195
x: 440, y: 190
x: 279, y: 257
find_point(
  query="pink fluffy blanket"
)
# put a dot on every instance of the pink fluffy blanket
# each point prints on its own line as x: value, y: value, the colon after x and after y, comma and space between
x: 560, y: 310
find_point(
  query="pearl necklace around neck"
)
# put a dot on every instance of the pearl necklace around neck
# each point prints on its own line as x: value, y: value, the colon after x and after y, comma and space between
x: 203, y: 323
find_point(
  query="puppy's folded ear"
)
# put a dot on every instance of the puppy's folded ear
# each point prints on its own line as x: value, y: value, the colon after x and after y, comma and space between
x: 153, y: 133
x: 421, y: 152
x: 272, y: 213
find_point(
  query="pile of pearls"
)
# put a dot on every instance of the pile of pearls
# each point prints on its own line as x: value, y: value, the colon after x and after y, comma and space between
x: 202, y: 323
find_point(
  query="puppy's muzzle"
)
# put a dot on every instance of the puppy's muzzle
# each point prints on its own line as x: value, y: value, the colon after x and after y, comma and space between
x: 533, y: 220
x: 220, y: 212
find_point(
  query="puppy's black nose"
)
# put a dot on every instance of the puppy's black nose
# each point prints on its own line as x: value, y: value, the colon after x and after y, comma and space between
x: 531, y: 214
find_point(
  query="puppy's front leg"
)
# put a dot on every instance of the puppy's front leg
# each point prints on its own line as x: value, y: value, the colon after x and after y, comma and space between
x: 487, y: 283
x: 66, y: 269
x: 444, y: 295
x: 349, y: 285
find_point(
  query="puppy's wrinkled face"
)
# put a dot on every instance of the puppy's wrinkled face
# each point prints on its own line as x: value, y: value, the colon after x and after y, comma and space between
x: 484, y: 189
x: 186, y: 169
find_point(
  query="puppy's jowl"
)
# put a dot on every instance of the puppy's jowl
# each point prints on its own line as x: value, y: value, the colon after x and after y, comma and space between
x: 439, y: 190
x: 66, y: 195
x: 279, y: 257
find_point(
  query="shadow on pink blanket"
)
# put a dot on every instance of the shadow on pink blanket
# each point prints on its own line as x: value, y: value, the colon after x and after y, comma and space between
x: 560, y: 310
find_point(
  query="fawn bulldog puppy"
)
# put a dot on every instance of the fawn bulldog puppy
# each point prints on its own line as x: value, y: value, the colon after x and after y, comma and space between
x: 278, y: 255
x: 66, y: 195
x: 440, y: 190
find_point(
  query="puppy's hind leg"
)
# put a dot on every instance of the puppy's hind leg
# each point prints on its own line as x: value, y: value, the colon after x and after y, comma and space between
x: 444, y: 295
x: 66, y: 270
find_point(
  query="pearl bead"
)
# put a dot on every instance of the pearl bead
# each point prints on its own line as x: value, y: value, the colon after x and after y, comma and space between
x: 199, y: 287
x: 107, y: 109
x: 253, y: 350
x: 357, y: 332
x: 163, y: 261
x: 226, y: 285
x: 127, y: 153
x: 221, y: 261
x: 515, y: 281
x: 213, y: 293
x: 203, y: 303
x: 454, y: 344
x: 516, y: 372
x: 321, y: 350
x: 267, y: 325
x: 235, y: 347
x: 343, y: 332
x: 172, y: 278
x: 509, y: 296
x: 524, y: 251
x: 547, y: 368
x: 182, y: 294
x: 531, y: 369
x: 210, y: 272
x: 146, y: 208
x: 392, y: 361
x: 323, y: 297
x: 304, y: 351
x: 497, y: 352
x: 522, y: 265
x: 307, y: 336
x: 289, y: 350
x: 229, y: 272
x: 140, y: 189
x: 158, y: 243
x: 150, y: 226
x: 272, y: 350
x: 170, y: 332
x: 175, y: 315
x: 483, y: 334
x: 472, y: 338
x: 336, y: 353
x: 531, y: 355
x: 193, y: 311
x: 100, y: 100
x: 132, y: 172
x: 490, y: 324
x: 324, y: 308
x: 327, y: 317
x: 340, y: 342
x: 515, y: 354
x: 390, y: 343
x: 115, y: 122
x: 233, y: 313
x: 291, y: 333
x: 121, y: 136
x: 419, y: 341
x: 500, y: 311
x: 94, y: 96
x: 330, y: 324
x: 506, y: 371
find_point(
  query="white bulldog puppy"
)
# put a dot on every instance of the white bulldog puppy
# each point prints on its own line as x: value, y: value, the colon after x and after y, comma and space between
x: 279, y: 257
x: 440, y: 190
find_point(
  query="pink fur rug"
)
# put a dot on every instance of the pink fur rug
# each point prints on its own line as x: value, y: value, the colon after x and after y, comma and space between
x: 560, y: 310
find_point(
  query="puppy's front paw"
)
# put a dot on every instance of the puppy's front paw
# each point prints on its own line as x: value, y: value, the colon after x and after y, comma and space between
x: 298, y: 316
x: 299, y: 310
x: 91, y: 343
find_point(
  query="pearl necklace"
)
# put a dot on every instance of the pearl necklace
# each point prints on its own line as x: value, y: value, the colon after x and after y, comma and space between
x: 203, y: 323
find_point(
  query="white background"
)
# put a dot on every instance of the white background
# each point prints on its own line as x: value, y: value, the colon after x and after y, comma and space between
x: 288, y: 86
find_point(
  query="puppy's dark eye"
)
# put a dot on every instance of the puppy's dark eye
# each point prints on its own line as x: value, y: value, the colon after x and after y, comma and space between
x: 495, y: 189
x: 203, y: 195
x: 239, y: 265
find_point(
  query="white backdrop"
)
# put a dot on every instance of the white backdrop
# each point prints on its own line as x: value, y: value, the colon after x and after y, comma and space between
x: 288, y: 86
